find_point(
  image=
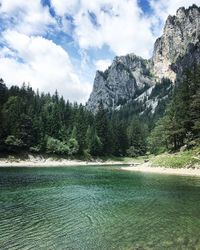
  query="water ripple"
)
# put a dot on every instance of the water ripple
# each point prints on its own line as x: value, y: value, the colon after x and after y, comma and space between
x: 84, y: 208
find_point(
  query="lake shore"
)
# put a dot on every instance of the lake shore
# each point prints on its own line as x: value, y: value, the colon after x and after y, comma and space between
x: 133, y: 166
x: 148, y: 168
x: 57, y: 163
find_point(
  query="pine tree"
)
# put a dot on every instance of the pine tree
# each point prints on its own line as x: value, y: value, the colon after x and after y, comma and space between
x: 137, y: 138
x: 81, y: 125
x: 94, y: 145
x: 119, y: 137
x: 103, y: 130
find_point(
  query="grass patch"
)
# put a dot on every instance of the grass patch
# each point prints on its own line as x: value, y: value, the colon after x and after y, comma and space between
x: 187, y: 159
x: 125, y: 160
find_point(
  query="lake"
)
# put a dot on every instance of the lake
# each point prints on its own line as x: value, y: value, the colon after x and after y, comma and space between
x: 97, y: 208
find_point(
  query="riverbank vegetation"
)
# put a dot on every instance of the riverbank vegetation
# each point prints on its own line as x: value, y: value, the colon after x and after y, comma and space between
x: 187, y: 159
x: 47, y: 124
x: 179, y: 128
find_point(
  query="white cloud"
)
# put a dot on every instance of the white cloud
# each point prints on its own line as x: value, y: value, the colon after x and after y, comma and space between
x: 120, y: 25
x: 65, y: 6
x: 163, y: 8
x: 43, y: 64
x: 28, y: 17
x: 102, y: 65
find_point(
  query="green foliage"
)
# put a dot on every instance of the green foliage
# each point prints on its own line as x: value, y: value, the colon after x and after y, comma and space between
x: 181, y: 123
x: 55, y: 146
x: 195, y: 112
x: 103, y: 130
x: 82, y: 122
x: 133, y: 152
x: 178, y: 160
x: 160, y: 88
x: 162, y: 92
x: 35, y: 149
x: 137, y: 133
x: 13, y: 143
x: 47, y: 124
x: 73, y: 146
x: 158, y: 140
x: 94, y: 145
x: 3, y: 93
x: 43, y: 123
x: 119, y: 136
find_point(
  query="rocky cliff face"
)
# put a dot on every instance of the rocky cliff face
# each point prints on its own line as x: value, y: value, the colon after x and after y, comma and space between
x: 179, y: 31
x: 130, y: 76
x: 125, y: 79
x: 190, y: 59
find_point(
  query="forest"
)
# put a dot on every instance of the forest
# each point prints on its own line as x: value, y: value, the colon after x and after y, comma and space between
x: 47, y: 124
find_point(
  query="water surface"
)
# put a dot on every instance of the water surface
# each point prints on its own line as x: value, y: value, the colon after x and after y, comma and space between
x: 97, y: 208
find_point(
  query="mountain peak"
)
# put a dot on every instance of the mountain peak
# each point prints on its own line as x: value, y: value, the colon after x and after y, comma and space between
x: 179, y: 31
x: 191, y: 10
x: 129, y: 76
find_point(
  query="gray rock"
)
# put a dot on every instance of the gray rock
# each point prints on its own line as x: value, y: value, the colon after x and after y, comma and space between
x: 125, y: 79
x: 188, y: 61
x: 132, y: 78
x: 179, y: 31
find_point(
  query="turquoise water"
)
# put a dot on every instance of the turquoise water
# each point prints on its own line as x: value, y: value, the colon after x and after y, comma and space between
x: 97, y: 208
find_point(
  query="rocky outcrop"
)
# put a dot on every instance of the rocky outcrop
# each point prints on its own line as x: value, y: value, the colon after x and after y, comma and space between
x: 179, y: 31
x: 190, y: 59
x: 130, y: 76
x: 125, y: 79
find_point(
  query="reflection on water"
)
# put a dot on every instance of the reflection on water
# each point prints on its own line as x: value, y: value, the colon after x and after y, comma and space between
x: 97, y: 208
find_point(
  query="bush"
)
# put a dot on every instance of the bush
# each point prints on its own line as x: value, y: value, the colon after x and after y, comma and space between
x: 73, y: 146
x: 56, y: 146
x: 35, y: 149
x: 133, y: 152
x: 13, y: 143
x: 95, y: 146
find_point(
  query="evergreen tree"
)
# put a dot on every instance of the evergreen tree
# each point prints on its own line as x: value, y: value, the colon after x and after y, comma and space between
x: 43, y: 123
x: 103, y: 130
x: 195, y: 113
x: 181, y: 121
x: 81, y: 125
x: 119, y: 137
x: 158, y: 141
x: 94, y: 145
x: 137, y: 138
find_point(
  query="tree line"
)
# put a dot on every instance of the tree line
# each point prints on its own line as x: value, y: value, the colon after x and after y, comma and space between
x: 44, y: 123
x: 180, y: 125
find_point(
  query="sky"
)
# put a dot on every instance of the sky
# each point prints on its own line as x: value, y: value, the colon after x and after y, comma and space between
x: 59, y: 44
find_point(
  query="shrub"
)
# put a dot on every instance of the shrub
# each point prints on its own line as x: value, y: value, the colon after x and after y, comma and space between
x: 133, y: 152
x: 73, y: 146
x: 56, y: 146
x: 13, y: 143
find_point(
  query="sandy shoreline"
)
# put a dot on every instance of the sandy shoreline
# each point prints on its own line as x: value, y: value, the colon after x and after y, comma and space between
x: 132, y: 166
x: 56, y: 163
x: 147, y: 168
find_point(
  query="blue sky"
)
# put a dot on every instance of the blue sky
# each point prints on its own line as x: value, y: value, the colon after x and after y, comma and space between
x: 54, y: 44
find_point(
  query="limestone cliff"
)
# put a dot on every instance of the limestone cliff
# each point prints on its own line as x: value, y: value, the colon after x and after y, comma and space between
x: 126, y: 78
x: 130, y: 76
x: 179, y: 31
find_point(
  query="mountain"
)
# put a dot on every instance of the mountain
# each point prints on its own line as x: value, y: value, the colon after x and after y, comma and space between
x: 132, y: 79
x: 126, y: 78
x: 179, y: 32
